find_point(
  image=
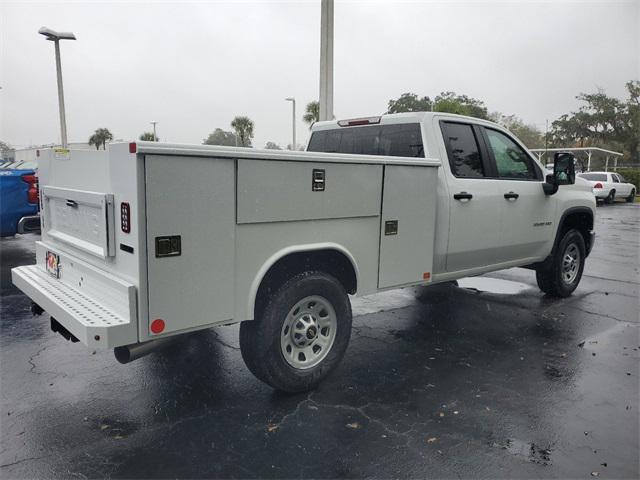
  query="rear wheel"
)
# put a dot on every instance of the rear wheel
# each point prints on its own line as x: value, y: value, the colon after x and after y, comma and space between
x: 560, y: 274
x: 611, y: 197
x: 300, y: 335
x: 632, y: 197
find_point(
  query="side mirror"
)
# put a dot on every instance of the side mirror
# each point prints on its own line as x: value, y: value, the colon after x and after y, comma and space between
x: 564, y: 170
x: 550, y: 186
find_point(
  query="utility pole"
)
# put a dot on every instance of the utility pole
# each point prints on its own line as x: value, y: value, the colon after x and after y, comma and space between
x: 326, y: 60
x: 155, y: 137
x: 55, y: 37
x: 293, y: 119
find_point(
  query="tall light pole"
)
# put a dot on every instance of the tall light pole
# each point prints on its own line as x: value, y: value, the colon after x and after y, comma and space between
x: 293, y: 119
x: 326, y: 60
x: 155, y: 137
x: 55, y: 37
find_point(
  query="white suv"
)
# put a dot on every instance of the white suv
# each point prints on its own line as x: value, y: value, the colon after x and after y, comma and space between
x: 608, y: 186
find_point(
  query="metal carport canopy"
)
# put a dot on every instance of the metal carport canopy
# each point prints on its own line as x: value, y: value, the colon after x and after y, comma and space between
x: 541, y: 151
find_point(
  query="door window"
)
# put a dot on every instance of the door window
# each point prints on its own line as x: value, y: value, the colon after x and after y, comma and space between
x: 615, y: 178
x: 511, y: 159
x: 463, y: 150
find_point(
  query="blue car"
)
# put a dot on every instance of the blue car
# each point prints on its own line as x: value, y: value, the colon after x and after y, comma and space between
x: 19, y: 205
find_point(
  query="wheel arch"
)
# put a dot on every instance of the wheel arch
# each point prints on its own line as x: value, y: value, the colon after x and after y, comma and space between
x: 333, y: 258
x: 580, y: 218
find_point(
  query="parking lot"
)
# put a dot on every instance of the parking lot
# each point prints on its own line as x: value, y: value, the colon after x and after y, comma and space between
x: 489, y: 378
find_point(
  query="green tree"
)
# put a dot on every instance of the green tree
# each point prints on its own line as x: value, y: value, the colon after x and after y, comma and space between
x: 409, y: 102
x: 220, y: 137
x: 6, y: 150
x: 527, y: 134
x: 243, y: 127
x: 450, y: 102
x: 149, y: 137
x: 603, y: 121
x: 272, y: 146
x: 100, y: 138
x: 312, y: 113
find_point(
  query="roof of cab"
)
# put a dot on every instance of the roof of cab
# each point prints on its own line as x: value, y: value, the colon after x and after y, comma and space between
x: 394, y: 118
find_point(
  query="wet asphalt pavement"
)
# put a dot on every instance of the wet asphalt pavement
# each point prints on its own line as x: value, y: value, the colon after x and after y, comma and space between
x: 486, y: 379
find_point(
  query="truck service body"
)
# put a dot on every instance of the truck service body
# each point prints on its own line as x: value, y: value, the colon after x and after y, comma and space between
x: 148, y: 240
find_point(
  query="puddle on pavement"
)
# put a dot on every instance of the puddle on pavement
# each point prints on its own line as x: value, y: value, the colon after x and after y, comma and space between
x: 493, y: 285
x: 527, y: 450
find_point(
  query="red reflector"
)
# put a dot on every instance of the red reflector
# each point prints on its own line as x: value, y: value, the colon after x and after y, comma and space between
x: 426, y: 275
x: 157, y: 326
x: 597, y: 185
x: 125, y: 217
x: 133, y: 148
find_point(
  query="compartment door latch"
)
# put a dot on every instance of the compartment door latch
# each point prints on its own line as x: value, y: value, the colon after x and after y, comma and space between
x: 317, y: 184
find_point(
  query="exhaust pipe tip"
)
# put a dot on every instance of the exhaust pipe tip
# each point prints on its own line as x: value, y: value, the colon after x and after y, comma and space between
x: 129, y: 353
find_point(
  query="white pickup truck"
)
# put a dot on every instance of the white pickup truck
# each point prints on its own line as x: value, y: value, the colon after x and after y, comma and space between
x: 146, y: 241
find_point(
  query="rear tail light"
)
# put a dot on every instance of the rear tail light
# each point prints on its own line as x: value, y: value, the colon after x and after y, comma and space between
x: 597, y: 185
x: 125, y: 217
x: 32, y: 191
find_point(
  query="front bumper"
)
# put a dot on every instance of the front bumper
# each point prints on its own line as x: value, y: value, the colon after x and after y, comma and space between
x: 29, y: 224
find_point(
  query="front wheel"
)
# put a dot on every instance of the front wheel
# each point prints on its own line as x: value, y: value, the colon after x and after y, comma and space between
x: 560, y: 274
x: 300, y: 335
x: 632, y: 196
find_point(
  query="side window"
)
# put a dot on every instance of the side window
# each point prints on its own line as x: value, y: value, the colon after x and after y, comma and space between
x: 614, y: 177
x: 463, y: 150
x: 621, y: 178
x: 511, y: 160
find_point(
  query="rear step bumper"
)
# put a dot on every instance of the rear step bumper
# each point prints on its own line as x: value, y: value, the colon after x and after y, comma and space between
x: 89, y: 321
x: 29, y: 224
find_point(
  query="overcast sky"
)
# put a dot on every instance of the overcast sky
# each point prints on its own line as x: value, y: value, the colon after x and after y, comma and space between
x: 194, y: 66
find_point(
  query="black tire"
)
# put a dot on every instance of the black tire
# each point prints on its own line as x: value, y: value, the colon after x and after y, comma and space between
x: 632, y: 197
x: 550, y: 274
x: 610, y: 198
x: 260, y: 339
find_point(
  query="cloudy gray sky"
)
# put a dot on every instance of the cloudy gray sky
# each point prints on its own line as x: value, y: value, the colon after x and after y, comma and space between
x: 193, y: 66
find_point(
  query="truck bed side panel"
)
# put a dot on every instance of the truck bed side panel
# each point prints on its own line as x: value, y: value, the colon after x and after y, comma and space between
x: 407, y: 227
x: 193, y: 198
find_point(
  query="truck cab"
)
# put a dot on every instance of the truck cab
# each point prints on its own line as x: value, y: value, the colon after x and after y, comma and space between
x: 492, y: 209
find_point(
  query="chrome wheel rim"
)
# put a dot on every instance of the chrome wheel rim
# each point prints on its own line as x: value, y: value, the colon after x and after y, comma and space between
x: 570, y: 263
x: 308, y: 332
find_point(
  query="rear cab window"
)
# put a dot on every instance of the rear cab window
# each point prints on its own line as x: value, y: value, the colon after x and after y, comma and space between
x: 594, y: 177
x: 394, y: 140
x: 463, y: 150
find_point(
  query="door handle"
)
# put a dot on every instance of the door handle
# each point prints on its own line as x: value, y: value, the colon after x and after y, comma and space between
x: 511, y: 196
x: 462, y: 196
x: 72, y: 203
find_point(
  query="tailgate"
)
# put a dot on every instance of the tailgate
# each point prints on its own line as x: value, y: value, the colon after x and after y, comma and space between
x: 80, y: 219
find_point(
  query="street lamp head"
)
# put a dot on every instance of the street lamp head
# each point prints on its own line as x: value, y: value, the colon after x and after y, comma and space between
x: 55, y: 36
x: 290, y: 99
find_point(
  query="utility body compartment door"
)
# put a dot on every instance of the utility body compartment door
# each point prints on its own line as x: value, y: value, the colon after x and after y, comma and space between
x: 408, y: 225
x: 190, y: 206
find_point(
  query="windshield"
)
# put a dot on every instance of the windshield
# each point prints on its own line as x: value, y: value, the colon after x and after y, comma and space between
x: 400, y: 140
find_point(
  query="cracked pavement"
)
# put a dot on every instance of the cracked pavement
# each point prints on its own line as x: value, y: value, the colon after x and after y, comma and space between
x: 486, y: 379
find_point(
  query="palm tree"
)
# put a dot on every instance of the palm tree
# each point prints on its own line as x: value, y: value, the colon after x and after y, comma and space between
x: 100, y: 137
x: 312, y: 113
x: 149, y: 137
x: 243, y: 127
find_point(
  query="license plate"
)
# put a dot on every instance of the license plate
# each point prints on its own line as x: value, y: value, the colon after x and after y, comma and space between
x: 53, y: 264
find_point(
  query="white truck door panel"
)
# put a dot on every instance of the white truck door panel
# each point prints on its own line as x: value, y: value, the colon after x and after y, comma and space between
x: 193, y: 198
x: 407, y: 227
x: 528, y: 222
